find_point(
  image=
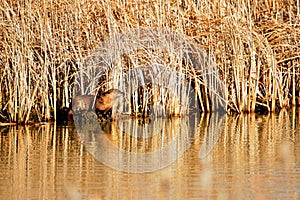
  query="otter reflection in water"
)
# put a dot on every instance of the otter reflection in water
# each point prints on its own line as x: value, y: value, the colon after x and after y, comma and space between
x: 102, y: 104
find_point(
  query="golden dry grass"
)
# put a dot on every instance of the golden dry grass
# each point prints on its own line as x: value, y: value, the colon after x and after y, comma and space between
x: 255, y: 45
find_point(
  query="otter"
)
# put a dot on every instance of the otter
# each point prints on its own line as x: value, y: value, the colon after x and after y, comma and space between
x: 83, y: 103
x: 102, y: 103
x: 107, y: 99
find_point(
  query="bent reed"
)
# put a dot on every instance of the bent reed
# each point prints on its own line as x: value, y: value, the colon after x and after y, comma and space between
x: 254, y: 45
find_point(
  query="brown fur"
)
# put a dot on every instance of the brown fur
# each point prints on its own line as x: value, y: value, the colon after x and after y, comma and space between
x: 82, y: 103
x: 103, y: 102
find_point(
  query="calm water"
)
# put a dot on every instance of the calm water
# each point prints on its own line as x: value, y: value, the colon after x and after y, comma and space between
x: 204, y: 157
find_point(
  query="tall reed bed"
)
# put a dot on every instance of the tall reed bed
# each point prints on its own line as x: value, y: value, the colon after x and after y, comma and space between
x: 255, y: 46
x: 157, y: 69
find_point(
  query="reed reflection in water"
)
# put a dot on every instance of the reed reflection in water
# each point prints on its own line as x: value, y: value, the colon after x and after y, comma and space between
x: 246, y: 156
x: 138, y: 146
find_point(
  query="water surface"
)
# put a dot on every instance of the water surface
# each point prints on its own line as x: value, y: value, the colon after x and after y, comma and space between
x: 214, y: 157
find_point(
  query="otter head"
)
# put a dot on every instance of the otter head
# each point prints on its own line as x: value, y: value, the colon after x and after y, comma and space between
x: 115, y: 94
x: 107, y: 99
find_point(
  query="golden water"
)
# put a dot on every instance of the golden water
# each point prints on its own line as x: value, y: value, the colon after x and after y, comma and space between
x: 217, y: 157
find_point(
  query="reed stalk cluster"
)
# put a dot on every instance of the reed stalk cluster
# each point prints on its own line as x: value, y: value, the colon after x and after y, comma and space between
x: 254, y: 45
x: 160, y: 72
